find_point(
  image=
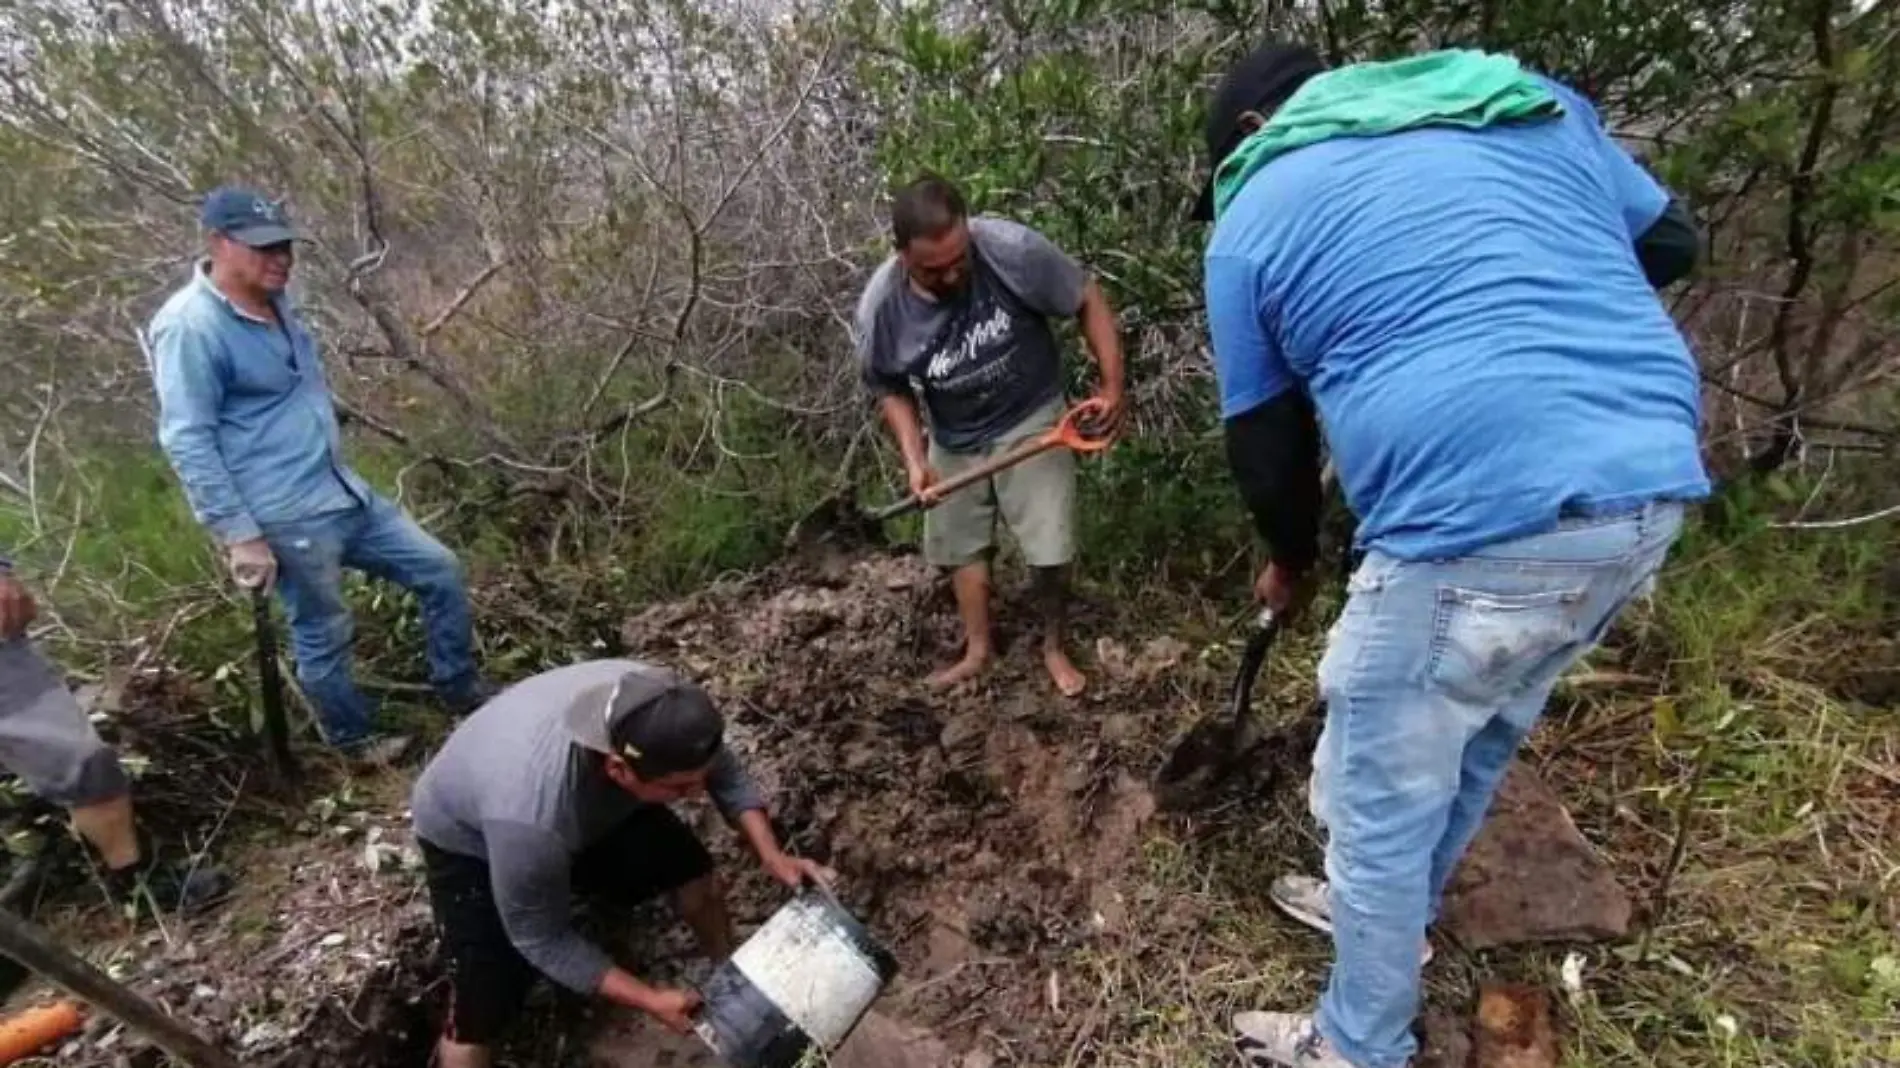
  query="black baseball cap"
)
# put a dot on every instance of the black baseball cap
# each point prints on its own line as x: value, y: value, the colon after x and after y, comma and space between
x: 1263, y: 80
x: 650, y: 717
x: 246, y: 216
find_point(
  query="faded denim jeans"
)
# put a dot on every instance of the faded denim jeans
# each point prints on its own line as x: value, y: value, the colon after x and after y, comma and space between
x: 1434, y: 673
x: 381, y: 540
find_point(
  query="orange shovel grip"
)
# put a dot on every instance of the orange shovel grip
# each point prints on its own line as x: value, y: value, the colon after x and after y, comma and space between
x: 1068, y: 432
x: 26, y: 1033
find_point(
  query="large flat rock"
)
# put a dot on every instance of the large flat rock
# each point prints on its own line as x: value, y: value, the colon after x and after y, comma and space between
x: 1531, y: 876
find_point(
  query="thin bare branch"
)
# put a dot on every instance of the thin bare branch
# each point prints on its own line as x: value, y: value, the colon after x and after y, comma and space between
x: 462, y: 298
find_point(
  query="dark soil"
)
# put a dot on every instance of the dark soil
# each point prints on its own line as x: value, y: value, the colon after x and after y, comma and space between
x: 991, y: 836
x: 980, y: 833
x: 983, y: 834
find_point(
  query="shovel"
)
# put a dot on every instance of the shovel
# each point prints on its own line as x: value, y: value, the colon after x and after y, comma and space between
x: 838, y: 518
x: 1218, y: 745
x: 270, y: 686
x: 1067, y: 433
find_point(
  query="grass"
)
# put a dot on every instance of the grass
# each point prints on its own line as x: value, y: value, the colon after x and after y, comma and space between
x: 1776, y: 945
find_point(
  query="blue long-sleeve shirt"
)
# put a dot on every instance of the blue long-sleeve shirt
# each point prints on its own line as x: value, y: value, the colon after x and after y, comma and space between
x: 245, y: 415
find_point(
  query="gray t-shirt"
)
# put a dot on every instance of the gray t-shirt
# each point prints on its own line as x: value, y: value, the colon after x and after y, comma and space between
x: 512, y: 788
x: 985, y: 360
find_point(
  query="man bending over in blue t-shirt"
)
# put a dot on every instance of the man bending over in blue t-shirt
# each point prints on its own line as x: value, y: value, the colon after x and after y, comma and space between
x: 1447, y: 264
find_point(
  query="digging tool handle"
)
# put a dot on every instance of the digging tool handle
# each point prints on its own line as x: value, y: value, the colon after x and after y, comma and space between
x: 30, y: 946
x: 1070, y: 432
x: 1266, y: 628
x: 270, y: 686
x: 1035, y: 447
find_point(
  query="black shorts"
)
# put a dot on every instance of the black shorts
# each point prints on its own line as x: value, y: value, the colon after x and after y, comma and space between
x: 648, y: 855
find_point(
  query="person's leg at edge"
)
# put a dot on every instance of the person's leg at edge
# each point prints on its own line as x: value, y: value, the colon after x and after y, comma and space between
x: 959, y: 535
x: 1486, y: 758
x: 47, y: 741
x: 1052, y: 601
x: 1391, y: 773
x: 702, y: 904
x: 392, y: 546
x: 310, y: 583
x: 971, y: 585
x: 488, y: 979
x: 1037, y: 499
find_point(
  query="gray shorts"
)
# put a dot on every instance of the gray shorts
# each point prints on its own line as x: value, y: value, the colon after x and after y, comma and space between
x: 1036, y: 498
x: 44, y: 737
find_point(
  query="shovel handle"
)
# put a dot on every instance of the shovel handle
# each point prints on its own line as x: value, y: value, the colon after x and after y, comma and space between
x: 1069, y: 433
x: 914, y: 502
x: 270, y: 687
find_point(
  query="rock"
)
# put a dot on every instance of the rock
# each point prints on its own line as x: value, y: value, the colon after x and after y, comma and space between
x: 1513, y: 1028
x: 962, y: 732
x: 1531, y: 876
x: 262, y: 1034
x: 102, y: 699
x: 1157, y: 655
x: 882, y: 1042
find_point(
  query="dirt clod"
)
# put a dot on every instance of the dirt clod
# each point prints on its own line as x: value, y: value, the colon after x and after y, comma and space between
x: 1513, y: 1028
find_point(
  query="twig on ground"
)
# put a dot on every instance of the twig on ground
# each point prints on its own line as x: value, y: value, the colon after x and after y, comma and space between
x: 1840, y: 524
x: 1685, y: 817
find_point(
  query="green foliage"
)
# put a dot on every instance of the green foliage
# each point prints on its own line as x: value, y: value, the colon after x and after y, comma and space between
x: 1161, y: 512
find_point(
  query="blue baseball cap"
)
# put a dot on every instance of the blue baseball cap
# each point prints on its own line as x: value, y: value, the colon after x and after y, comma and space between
x: 246, y: 216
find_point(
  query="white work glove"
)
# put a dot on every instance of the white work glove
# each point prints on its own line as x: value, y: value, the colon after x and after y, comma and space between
x: 252, y: 564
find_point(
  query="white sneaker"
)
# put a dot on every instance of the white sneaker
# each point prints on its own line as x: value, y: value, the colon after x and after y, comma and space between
x: 379, y: 753
x: 1304, y: 898
x: 1283, y: 1040
x: 1309, y: 901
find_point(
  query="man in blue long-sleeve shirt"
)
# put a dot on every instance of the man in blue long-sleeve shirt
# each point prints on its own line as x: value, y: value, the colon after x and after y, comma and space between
x: 247, y: 420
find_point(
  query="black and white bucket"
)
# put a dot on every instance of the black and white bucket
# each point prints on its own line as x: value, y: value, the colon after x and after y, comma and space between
x: 797, y: 986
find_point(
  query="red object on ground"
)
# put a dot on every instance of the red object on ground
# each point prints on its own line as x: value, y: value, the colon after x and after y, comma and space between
x: 26, y: 1033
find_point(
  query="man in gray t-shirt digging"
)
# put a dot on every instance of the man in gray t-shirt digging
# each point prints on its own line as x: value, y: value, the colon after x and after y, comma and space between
x: 958, y: 318
x: 561, y: 783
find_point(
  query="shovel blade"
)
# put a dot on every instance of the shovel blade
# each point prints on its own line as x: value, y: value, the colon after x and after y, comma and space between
x: 834, y: 523
x: 1204, y: 758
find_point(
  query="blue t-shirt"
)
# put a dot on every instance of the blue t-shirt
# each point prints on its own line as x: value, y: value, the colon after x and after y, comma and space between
x: 1467, y: 312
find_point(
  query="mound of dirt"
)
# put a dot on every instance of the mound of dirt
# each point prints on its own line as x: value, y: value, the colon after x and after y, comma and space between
x: 977, y: 831
x: 990, y: 836
x: 323, y: 957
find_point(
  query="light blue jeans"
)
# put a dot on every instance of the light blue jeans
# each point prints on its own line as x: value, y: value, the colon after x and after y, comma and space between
x: 1434, y: 673
x: 381, y: 540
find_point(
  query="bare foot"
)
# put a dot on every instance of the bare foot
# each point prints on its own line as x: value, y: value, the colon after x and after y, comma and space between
x: 972, y: 665
x: 1068, y: 679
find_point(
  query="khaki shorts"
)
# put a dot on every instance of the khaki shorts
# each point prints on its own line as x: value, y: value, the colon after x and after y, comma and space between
x: 44, y: 737
x: 1036, y: 498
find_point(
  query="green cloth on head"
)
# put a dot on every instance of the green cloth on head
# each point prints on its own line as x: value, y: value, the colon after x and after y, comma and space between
x: 1455, y: 87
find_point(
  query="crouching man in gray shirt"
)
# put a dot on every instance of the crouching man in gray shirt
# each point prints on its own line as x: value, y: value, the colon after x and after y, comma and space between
x: 561, y: 783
